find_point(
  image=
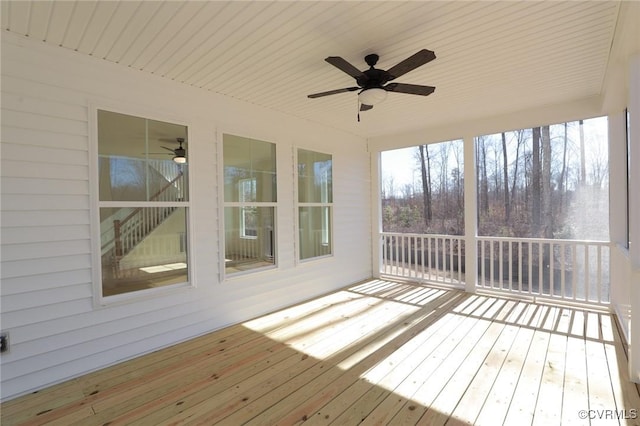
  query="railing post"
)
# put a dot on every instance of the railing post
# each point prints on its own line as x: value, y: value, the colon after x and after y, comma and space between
x: 377, y: 261
x: 470, y: 216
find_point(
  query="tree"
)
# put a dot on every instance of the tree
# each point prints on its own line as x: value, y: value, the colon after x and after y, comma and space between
x: 547, y: 215
x: 483, y: 179
x: 443, y: 151
x: 563, y: 174
x: 505, y: 174
x: 520, y: 137
x: 535, y: 181
x: 425, y: 169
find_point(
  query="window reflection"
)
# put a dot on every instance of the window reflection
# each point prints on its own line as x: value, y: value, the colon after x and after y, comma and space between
x: 250, y: 196
x: 142, y: 246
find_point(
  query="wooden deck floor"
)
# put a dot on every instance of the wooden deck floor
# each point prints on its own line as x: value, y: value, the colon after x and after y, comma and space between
x: 377, y: 353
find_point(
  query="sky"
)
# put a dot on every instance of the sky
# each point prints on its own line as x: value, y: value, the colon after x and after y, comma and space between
x: 401, y: 164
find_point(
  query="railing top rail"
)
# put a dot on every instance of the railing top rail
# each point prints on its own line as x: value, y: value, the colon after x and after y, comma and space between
x: 545, y: 240
x: 408, y: 234
x: 506, y: 239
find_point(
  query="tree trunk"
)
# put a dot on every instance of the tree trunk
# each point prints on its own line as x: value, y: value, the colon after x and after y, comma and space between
x: 505, y: 173
x: 547, y: 214
x: 563, y: 173
x: 484, y: 179
x: 444, y: 188
x: 535, y: 182
x: 426, y: 184
x: 515, y: 170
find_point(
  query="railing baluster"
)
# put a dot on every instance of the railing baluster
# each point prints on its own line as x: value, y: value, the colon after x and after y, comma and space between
x: 415, y: 256
x: 436, y: 258
x: 551, y: 266
x: 574, y: 270
x: 394, y: 256
x: 599, y: 273
x: 396, y: 246
x: 520, y: 261
x: 422, y: 257
x: 404, y: 257
x: 399, y: 259
x: 385, y: 253
x: 409, y: 260
x: 510, y: 254
x: 482, y: 263
x: 501, y: 266
x: 530, y: 265
x: 491, y: 262
x: 401, y: 256
x: 563, y: 270
x: 540, y: 269
x: 432, y: 259
x: 460, y: 248
x: 587, y: 283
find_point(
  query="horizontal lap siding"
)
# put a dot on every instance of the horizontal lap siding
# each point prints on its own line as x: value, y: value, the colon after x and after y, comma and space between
x: 46, y: 246
x: 46, y: 297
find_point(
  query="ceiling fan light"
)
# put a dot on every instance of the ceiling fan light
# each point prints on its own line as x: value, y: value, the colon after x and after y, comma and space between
x: 180, y: 159
x: 372, y: 96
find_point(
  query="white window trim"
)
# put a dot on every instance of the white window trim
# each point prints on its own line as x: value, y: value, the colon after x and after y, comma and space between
x: 100, y: 301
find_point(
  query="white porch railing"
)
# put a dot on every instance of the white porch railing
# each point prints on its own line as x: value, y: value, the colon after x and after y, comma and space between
x: 433, y: 258
x: 568, y: 270
x: 565, y: 270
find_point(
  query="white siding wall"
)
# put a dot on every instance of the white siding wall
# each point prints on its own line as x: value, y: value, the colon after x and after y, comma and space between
x: 47, y: 293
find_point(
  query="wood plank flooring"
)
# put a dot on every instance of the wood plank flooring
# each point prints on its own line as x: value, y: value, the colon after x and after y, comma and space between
x: 379, y: 352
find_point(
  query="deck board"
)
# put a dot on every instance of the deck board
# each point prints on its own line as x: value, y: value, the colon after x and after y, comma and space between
x: 379, y: 352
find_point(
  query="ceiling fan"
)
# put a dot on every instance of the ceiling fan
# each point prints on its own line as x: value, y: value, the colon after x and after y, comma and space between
x: 372, y: 83
x: 179, y: 154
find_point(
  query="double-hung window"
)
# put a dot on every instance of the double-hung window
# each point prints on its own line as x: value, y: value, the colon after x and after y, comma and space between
x: 315, y: 204
x: 143, y: 203
x: 249, y: 203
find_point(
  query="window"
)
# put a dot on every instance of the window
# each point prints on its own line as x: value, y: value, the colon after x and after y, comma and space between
x: 249, y: 203
x: 143, y: 204
x: 315, y: 204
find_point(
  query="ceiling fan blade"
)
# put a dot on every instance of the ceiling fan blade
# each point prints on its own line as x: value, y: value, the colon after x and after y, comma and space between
x: 411, y: 63
x: 333, y: 92
x: 412, y: 89
x: 365, y: 107
x: 168, y: 149
x: 345, y: 66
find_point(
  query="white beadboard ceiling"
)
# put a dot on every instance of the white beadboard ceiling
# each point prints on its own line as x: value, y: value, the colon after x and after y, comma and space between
x: 492, y: 57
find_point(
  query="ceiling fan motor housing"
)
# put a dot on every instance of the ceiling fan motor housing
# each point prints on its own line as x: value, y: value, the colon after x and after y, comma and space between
x: 373, y: 78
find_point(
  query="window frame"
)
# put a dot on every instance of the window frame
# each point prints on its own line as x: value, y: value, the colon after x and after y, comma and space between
x: 298, y: 205
x: 99, y: 299
x: 627, y: 143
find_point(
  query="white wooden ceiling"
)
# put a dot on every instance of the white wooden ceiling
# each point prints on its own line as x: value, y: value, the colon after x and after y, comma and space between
x: 492, y: 57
